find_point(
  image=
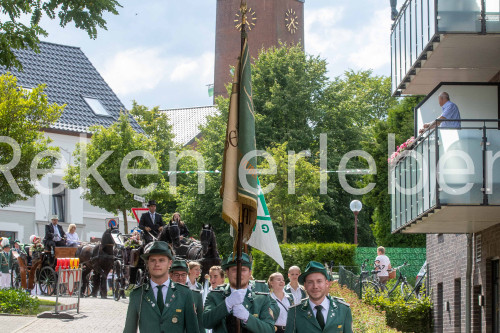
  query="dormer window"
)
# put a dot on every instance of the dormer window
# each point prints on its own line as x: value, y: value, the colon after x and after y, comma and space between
x: 96, y: 106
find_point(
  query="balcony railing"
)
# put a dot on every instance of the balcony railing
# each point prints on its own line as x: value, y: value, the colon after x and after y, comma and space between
x: 420, y: 22
x: 447, y: 167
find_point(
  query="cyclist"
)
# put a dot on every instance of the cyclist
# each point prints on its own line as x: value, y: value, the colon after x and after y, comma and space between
x: 382, y: 264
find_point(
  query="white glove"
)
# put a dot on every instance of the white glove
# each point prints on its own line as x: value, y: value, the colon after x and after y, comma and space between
x: 240, y: 312
x: 235, y: 298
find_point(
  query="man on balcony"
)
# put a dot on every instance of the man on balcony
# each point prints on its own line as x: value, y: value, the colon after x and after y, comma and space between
x: 450, y: 112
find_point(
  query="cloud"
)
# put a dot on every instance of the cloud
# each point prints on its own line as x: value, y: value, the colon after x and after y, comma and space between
x: 333, y: 33
x: 136, y: 70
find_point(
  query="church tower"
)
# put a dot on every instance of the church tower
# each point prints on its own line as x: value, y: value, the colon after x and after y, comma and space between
x: 269, y: 21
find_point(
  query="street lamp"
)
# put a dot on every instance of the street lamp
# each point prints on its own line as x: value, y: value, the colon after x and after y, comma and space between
x: 356, y: 208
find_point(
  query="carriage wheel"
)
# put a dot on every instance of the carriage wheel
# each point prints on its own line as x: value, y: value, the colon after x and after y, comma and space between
x: 117, y: 279
x: 47, y: 281
x: 15, y: 277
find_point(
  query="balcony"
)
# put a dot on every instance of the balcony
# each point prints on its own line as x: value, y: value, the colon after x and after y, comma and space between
x: 448, y: 181
x: 435, y: 41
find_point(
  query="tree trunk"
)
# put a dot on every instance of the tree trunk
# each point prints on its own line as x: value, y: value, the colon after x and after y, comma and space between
x: 125, y: 222
x: 284, y: 228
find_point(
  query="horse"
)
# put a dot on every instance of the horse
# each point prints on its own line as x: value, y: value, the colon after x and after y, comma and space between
x: 99, y: 259
x: 209, y: 253
x: 171, y: 235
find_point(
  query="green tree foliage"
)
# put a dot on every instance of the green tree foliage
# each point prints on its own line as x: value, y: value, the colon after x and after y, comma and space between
x: 156, y: 126
x: 400, y: 123
x: 106, y: 152
x: 23, y: 116
x: 289, y: 209
x: 17, y: 33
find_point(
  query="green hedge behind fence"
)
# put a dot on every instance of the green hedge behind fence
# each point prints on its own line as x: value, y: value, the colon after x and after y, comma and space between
x: 398, y: 255
x: 300, y: 255
x: 340, y: 253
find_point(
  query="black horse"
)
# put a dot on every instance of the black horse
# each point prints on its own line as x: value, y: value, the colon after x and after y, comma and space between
x: 99, y: 259
x: 203, y: 251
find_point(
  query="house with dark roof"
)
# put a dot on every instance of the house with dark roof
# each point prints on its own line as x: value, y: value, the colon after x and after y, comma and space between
x: 70, y: 79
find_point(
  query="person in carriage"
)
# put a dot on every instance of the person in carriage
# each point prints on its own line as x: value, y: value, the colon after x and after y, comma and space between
x: 151, y: 223
x: 54, y: 235
x: 183, y: 230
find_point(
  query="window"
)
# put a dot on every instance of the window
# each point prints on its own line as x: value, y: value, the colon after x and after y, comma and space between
x: 8, y: 234
x: 96, y: 106
x: 58, y: 201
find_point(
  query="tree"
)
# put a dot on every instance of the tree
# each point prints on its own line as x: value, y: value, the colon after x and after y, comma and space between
x: 400, y: 122
x: 23, y: 116
x: 14, y: 34
x: 288, y: 209
x: 109, y: 187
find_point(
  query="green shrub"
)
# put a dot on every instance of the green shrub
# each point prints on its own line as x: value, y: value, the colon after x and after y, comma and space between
x: 412, y: 316
x: 17, y: 301
x: 300, y: 255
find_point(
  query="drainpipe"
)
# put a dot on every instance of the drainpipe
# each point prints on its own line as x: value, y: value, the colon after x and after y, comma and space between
x: 468, y: 285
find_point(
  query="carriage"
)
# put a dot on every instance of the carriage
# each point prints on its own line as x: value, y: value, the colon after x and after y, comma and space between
x: 39, y: 269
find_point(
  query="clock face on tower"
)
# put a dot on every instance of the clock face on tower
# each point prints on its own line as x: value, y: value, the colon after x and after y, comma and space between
x: 291, y: 21
x: 251, y: 18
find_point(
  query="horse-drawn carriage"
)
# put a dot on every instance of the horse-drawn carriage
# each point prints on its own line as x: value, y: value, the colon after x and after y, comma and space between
x: 39, y: 268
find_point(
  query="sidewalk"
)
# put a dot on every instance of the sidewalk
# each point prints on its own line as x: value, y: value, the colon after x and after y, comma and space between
x: 96, y: 315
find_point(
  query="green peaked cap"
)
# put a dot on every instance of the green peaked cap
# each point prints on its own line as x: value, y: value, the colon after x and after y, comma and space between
x: 314, y: 267
x: 179, y: 265
x: 158, y: 247
x: 230, y: 261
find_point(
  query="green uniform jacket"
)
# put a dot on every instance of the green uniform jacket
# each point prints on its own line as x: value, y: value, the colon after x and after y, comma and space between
x: 261, y: 319
x: 177, y: 316
x: 301, y: 318
x: 5, y: 261
x: 198, y: 302
x: 261, y: 286
x: 288, y: 289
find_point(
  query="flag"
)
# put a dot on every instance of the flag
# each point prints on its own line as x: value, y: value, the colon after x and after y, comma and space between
x: 239, y: 196
x: 263, y: 237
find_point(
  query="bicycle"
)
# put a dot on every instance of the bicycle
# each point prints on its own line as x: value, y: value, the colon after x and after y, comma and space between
x: 418, y: 291
x: 368, y: 283
x: 405, y: 286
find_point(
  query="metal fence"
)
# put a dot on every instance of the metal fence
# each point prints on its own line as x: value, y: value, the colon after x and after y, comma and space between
x: 348, y: 277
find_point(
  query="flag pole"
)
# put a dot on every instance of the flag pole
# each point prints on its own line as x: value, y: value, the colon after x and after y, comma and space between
x: 243, y: 211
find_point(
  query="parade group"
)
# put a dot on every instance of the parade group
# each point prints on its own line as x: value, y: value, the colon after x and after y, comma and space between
x: 172, y: 300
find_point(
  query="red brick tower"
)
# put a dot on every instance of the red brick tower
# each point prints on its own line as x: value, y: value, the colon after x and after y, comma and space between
x: 270, y: 21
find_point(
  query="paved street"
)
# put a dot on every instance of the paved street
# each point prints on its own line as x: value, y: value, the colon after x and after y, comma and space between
x: 96, y: 315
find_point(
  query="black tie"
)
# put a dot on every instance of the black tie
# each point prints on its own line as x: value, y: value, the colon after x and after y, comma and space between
x: 319, y: 316
x: 159, y: 298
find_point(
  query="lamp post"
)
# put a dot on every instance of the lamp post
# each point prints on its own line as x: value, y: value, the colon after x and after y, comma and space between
x: 356, y: 208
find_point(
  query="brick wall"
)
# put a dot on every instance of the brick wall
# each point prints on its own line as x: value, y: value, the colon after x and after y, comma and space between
x: 447, y: 259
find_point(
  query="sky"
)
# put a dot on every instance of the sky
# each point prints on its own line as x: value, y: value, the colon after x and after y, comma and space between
x: 161, y: 52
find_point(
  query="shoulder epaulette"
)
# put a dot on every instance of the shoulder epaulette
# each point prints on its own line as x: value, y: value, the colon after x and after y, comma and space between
x: 260, y: 281
x: 217, y: 290
x: 196, y: 290
x: 181, y: 285
x: 260, y: 293
x: 341, y: 301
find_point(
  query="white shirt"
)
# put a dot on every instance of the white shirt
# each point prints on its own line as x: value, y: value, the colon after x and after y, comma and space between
x: 57, y: 235
x: 195, y: 286
x: 326, y: 306
x: 72, y: 238
x: 384, y: 263
x: 297, y: 294
x: 284, y: 305
x: 164, y: 289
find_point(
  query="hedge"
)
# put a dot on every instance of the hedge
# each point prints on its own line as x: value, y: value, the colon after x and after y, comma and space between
x: 300, y: 255
x: 17, y: 301
x: 398, y: 255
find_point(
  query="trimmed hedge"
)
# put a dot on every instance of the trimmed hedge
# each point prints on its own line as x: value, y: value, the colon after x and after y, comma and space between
x: 398, y: 255
x: 17, y: 301
x: 300, y: 255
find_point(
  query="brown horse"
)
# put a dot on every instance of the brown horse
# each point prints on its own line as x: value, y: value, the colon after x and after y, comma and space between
x: 99, y: 259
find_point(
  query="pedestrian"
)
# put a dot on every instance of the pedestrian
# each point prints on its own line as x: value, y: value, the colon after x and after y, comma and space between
x: 72, y: 239
x: 5, y: 264
x: 320, y: 312
x: 216, y: 275
x: 277, y: 285
x: 54, y: 235
x: 226, y: 307
x: 383, y: 265
x: 194, y: 274
x: 160, y: 305
x: 151, y: 223
x: 450, y: 112
x: 293, y: 287
x: 178, y: 274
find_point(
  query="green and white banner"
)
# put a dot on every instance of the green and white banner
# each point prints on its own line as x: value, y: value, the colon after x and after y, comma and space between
x: 263, y: 236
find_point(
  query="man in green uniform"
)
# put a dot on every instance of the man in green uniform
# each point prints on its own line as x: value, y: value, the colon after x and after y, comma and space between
x: 226, y: 306
x: 319, y: 312
x: 160, y: 305
x: 178, y: 273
